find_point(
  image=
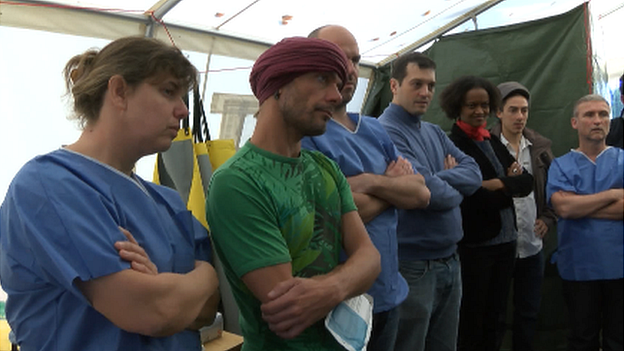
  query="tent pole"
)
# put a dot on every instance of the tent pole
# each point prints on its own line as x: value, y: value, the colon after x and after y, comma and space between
x: 158, y: 10
x: 442, y: 30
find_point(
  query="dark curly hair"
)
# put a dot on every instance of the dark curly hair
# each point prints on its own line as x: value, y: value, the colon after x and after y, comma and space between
x: 453, y: 96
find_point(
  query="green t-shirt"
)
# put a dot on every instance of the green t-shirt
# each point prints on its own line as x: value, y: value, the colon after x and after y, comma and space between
x: 265, y: 209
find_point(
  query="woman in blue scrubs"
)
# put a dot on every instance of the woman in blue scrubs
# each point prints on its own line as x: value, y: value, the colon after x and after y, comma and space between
x: 93, y: 257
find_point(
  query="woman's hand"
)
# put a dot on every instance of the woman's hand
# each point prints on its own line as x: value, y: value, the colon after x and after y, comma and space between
x: 493, y: 184
x: 514, y: 170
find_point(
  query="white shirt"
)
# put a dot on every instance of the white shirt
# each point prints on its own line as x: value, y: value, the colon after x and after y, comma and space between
x: 526, y: 209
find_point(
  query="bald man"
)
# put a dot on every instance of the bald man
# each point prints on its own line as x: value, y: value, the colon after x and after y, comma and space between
x: 381, y: 182
x: 280, y: 216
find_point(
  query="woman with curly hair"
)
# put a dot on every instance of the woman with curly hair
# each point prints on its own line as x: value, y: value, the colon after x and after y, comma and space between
x: 488, y: 248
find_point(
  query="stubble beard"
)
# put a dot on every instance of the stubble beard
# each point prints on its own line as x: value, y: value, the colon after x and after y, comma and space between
x: 295, y: 118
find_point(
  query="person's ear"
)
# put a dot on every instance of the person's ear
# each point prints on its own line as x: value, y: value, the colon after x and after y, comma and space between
x: 499, y: 113
x: 574, y: 122
x: 118, y: 91
x: 394, y: 85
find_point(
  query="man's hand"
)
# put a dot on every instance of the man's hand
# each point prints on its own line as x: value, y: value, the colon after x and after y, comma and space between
x: 540, y: 228
x: 604, y: 205
x: 449, y: 162
x: 296, y: 304
x: 132, y: 252
x: 399, y: 168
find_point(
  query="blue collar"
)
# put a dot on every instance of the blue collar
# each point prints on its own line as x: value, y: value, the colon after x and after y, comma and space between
x: 404, y: 116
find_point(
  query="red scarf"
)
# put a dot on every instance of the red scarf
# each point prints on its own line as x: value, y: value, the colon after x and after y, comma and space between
x: 475, y: 133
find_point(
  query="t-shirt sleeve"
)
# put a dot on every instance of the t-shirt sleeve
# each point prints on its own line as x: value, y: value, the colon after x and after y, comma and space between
x: 346, y: 196
x: 557, y: 179
x: 243, y: 224
x: 62, y: 230
x: 203, y: 246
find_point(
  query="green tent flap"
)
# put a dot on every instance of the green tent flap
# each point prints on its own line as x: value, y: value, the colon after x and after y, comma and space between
x: 549, y: 56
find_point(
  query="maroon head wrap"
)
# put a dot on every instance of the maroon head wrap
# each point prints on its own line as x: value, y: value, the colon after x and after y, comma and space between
x: 292, y: 57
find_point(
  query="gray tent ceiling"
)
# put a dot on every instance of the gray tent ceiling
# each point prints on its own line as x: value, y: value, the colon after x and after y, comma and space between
x: 245, y: 28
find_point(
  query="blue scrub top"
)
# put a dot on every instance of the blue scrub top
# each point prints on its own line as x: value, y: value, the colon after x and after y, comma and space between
x: 369, y: 149
x: 59, y: 222
x: 589, y: 248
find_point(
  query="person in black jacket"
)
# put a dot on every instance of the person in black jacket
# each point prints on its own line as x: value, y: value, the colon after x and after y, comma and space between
x: 488, y: 249
x: 534, y: 216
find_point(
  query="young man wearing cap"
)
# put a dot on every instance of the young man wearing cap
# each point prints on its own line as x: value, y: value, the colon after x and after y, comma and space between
x: 280, y: 215
x: 381, y: 182
x: 585, y: 189
x: 533, y: 216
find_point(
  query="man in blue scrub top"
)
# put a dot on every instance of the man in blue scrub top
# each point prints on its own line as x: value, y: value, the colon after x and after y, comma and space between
x: 381, y: 181
x: 585, y: 189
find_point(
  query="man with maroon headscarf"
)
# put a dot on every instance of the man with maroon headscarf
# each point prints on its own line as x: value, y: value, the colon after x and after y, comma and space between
x: 280, y: 216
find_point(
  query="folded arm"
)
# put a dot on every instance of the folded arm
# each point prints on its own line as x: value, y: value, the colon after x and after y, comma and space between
x: 600, y: 205
x: 461, y: 173
x: 369, y: 206
x: 406, y: 191
x: 132, y: 252
x: 153, y: 305
x: 614, y: 211
x: 398, y: 187
x: 290, y: 304
x: 464, y: 175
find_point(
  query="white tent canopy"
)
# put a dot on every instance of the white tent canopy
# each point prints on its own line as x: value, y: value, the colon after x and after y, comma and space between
x: 223, y: 38
x: 245, y: 28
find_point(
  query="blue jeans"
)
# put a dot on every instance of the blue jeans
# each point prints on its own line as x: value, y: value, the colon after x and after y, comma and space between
x: 385, y: 327
x: 527, y: 294
x: 430, y: 314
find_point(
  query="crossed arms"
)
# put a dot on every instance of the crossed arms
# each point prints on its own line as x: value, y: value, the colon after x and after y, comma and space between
x: 608, y: 204
x: 398, y: 187
x: 141, y: 300
x: 291, y: 304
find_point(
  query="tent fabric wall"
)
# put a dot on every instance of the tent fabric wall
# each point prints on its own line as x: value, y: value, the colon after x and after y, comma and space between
x: 551, y: 57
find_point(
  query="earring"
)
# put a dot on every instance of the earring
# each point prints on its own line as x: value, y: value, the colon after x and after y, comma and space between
x: 276, y: 95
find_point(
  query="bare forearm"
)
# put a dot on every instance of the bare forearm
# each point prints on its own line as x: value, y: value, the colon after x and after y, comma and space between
x: 294, y: 304
x: 369, y: 206
x: 614, y: 211
x: 153, y: 305
x: 406, y: 192
x: 356, y: 275
x: 207, y: 313
x: 570, y: 205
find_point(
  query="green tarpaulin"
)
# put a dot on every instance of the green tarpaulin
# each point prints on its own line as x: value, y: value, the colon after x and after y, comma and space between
x: 549, y: 56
